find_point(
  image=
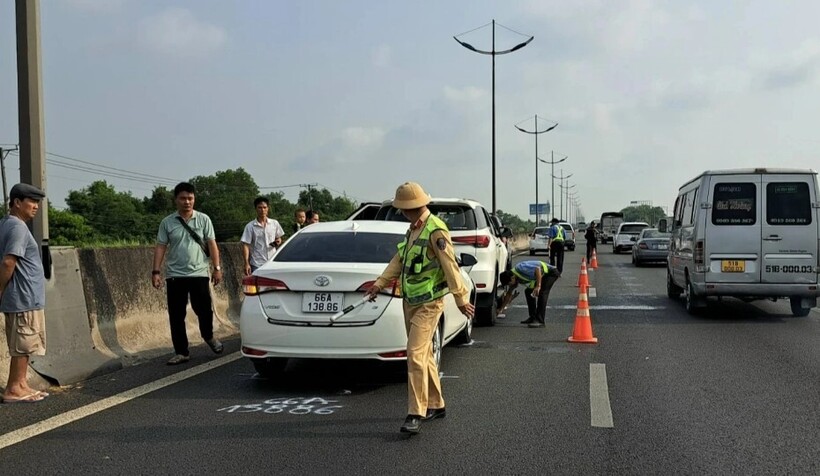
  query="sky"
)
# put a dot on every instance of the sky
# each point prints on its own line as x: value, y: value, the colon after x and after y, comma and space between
x: 361, y: 96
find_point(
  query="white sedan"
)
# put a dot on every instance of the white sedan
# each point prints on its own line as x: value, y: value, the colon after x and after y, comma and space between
x: 319, y: 271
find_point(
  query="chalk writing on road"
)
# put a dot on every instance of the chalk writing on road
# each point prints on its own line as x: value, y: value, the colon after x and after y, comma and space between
x: 290, y: 405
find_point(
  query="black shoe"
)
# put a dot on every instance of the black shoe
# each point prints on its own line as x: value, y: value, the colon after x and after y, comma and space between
x: 412, y: 424
x: 528, y: 321
x: 433, y: 413
x: 215, y: 345
x: 536, y: 324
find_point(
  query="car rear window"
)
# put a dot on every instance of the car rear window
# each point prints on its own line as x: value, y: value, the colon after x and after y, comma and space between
x: 566, y: 226
x: 734, y: 204
x: 656, y: 234
x: 634, y: 229
x: 541, y: 231
x: 340, y: 247
x: 457, y: 217
x: 788, y: 203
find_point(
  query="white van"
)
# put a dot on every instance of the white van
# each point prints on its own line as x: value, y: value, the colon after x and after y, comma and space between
x: 748, y: 233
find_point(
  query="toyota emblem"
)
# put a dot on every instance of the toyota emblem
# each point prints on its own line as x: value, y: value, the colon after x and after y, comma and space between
x: 321, y: 281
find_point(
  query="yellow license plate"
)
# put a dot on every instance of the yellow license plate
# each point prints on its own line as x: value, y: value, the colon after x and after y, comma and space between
x: 732, y: 266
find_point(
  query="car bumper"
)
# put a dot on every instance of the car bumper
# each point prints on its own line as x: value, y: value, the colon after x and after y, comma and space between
x: 651, y: 255
x: 767, y: 290
x: 386, y: 334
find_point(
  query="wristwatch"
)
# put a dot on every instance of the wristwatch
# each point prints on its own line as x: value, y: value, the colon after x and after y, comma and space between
x: 217, y: 268
x: 155, y: 272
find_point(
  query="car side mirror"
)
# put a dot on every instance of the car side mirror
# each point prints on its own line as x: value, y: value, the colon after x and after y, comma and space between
x: 662, y: 225
x: 467, y: 259
x: 505, y: 232
x: 634, y: 238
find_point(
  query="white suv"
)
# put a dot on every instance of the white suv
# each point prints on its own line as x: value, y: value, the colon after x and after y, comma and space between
x: 474, y: 232
x: 627, y: 235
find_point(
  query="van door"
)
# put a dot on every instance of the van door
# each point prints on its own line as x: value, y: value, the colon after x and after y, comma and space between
x: 789, y: 231
x: 732, y: 229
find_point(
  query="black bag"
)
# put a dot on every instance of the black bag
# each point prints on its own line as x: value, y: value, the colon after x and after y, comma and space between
x: 195, y: 237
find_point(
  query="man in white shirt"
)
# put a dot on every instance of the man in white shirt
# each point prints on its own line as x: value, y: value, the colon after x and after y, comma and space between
x: 260, y: 238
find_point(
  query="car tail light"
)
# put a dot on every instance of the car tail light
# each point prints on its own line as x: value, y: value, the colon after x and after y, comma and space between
x: 249, y: 351
x: 394, y: 355
x: 698, y: 257
x: 643, y: 246
x: 393, y: 288
x: 479, y: 241
x: 255, y: 285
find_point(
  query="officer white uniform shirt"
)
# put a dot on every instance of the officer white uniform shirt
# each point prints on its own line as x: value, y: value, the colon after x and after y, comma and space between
x: 260, y: 237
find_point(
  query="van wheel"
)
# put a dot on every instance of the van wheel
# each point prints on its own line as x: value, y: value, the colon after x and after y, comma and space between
x: 673, y: 291
x: 797, y: 309
x: 689, y: 299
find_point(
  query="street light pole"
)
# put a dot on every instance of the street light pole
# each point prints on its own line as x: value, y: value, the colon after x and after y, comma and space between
x: 553, y: 162
x: 493, y: 53
x: 535, y: 133
x: 562, y: 177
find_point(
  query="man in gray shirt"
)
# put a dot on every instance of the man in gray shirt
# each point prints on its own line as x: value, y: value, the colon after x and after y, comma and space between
x: 23, y: 299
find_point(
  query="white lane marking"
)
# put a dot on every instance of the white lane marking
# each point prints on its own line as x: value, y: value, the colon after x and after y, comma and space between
x: 22, y: 434
x: 600, y: 410
x: 603, y: 307
x: 591, y: 292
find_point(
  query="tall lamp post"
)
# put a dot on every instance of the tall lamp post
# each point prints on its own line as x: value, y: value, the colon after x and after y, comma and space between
x: 494, y: 53
x: 552, y: 162
x: 535, y: 133
x: 562, y: 177
x: 567, y: 188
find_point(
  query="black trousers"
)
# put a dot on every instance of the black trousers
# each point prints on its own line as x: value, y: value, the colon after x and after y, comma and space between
x: 538, y: 307
x: 179, y: 290
x: 557, y: 255
x: 591, y: 245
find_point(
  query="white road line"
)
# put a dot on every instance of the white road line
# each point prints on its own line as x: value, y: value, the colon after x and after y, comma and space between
x: 600, y: 410
x: 603, y: 307
x: 591, y: 292
x: 16, y: 436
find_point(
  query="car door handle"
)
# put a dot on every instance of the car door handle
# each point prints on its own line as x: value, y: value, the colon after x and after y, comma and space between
x: 773, y: 238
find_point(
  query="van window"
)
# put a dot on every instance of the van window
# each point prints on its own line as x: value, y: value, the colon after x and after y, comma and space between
x: 788, y: 203
x: 691, y: 218
x: 688, y: 208
x: 734, y: 204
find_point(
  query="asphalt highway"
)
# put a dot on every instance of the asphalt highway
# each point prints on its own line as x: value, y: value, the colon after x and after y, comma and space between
x: 735, y: 390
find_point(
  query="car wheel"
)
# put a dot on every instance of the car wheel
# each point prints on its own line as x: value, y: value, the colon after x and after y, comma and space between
x: 437, y: 340
x: 689, y: 298
x: 615, y: 250
x: 797, y: 309
x: 270, y: 367
x: 486, y: 315
x: 532, y: 252
x: 672, y: 290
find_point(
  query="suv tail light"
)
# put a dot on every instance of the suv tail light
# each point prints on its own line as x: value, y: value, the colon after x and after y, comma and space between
x: 643, y: 246
x: 698, y: 257
x: 393, y: 289
x: 479, y: 241
x: 255, y: 285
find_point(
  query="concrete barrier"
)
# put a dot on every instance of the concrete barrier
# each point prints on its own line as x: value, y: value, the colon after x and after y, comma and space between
x: 102, y: 312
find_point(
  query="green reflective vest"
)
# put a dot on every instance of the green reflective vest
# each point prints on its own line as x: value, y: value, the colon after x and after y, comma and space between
x: 422, y: 278
x: 559, y: 233
x: 526, y: 281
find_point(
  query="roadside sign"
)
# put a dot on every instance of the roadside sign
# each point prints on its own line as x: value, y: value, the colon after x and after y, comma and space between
x: 543, y: 209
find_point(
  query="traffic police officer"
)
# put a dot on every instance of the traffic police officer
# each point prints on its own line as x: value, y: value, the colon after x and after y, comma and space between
x: 538, y: 277
x: 426, y: 268
x: 557, y: 245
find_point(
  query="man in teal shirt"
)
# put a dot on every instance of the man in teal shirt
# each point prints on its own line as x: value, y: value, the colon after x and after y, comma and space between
x: 186, y: 240
x: 538, y: 277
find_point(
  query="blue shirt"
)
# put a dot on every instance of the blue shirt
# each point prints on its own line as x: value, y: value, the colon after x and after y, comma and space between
x: 525, y: 271
x: 26, y: 290
x: 554, y: 231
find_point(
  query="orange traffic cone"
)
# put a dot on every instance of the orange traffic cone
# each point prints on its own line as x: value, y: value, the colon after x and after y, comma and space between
x: 582, y: 332
x: 593, y: 263
x: 583, y: 278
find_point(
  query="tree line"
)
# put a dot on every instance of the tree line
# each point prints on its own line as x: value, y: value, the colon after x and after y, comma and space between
x: 98, y: 214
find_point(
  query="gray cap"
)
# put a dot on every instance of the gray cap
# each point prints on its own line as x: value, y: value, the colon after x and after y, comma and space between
x: 24, y: 190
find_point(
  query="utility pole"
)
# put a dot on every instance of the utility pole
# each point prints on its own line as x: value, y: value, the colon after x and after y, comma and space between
x: 3, y: 154
x: 30, y: 115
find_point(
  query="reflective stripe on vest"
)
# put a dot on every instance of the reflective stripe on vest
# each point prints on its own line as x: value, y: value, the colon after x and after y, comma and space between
x: 530, y: 283
x: 422, y: 278
x: 559, y: 233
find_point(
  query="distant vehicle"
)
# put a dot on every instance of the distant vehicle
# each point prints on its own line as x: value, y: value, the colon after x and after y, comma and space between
x: 539, y: 239
x: 473, y: 231
x: 627, y: 235
x: 608, y: 225
x: 652, y: 245
x: 581, y: 226
x: 323, y: 268
x: 569, y: 236
x: 748, y: 233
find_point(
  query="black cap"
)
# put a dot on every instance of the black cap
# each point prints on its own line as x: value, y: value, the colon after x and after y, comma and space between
x: 24, y: 190
x: 555, y: 220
